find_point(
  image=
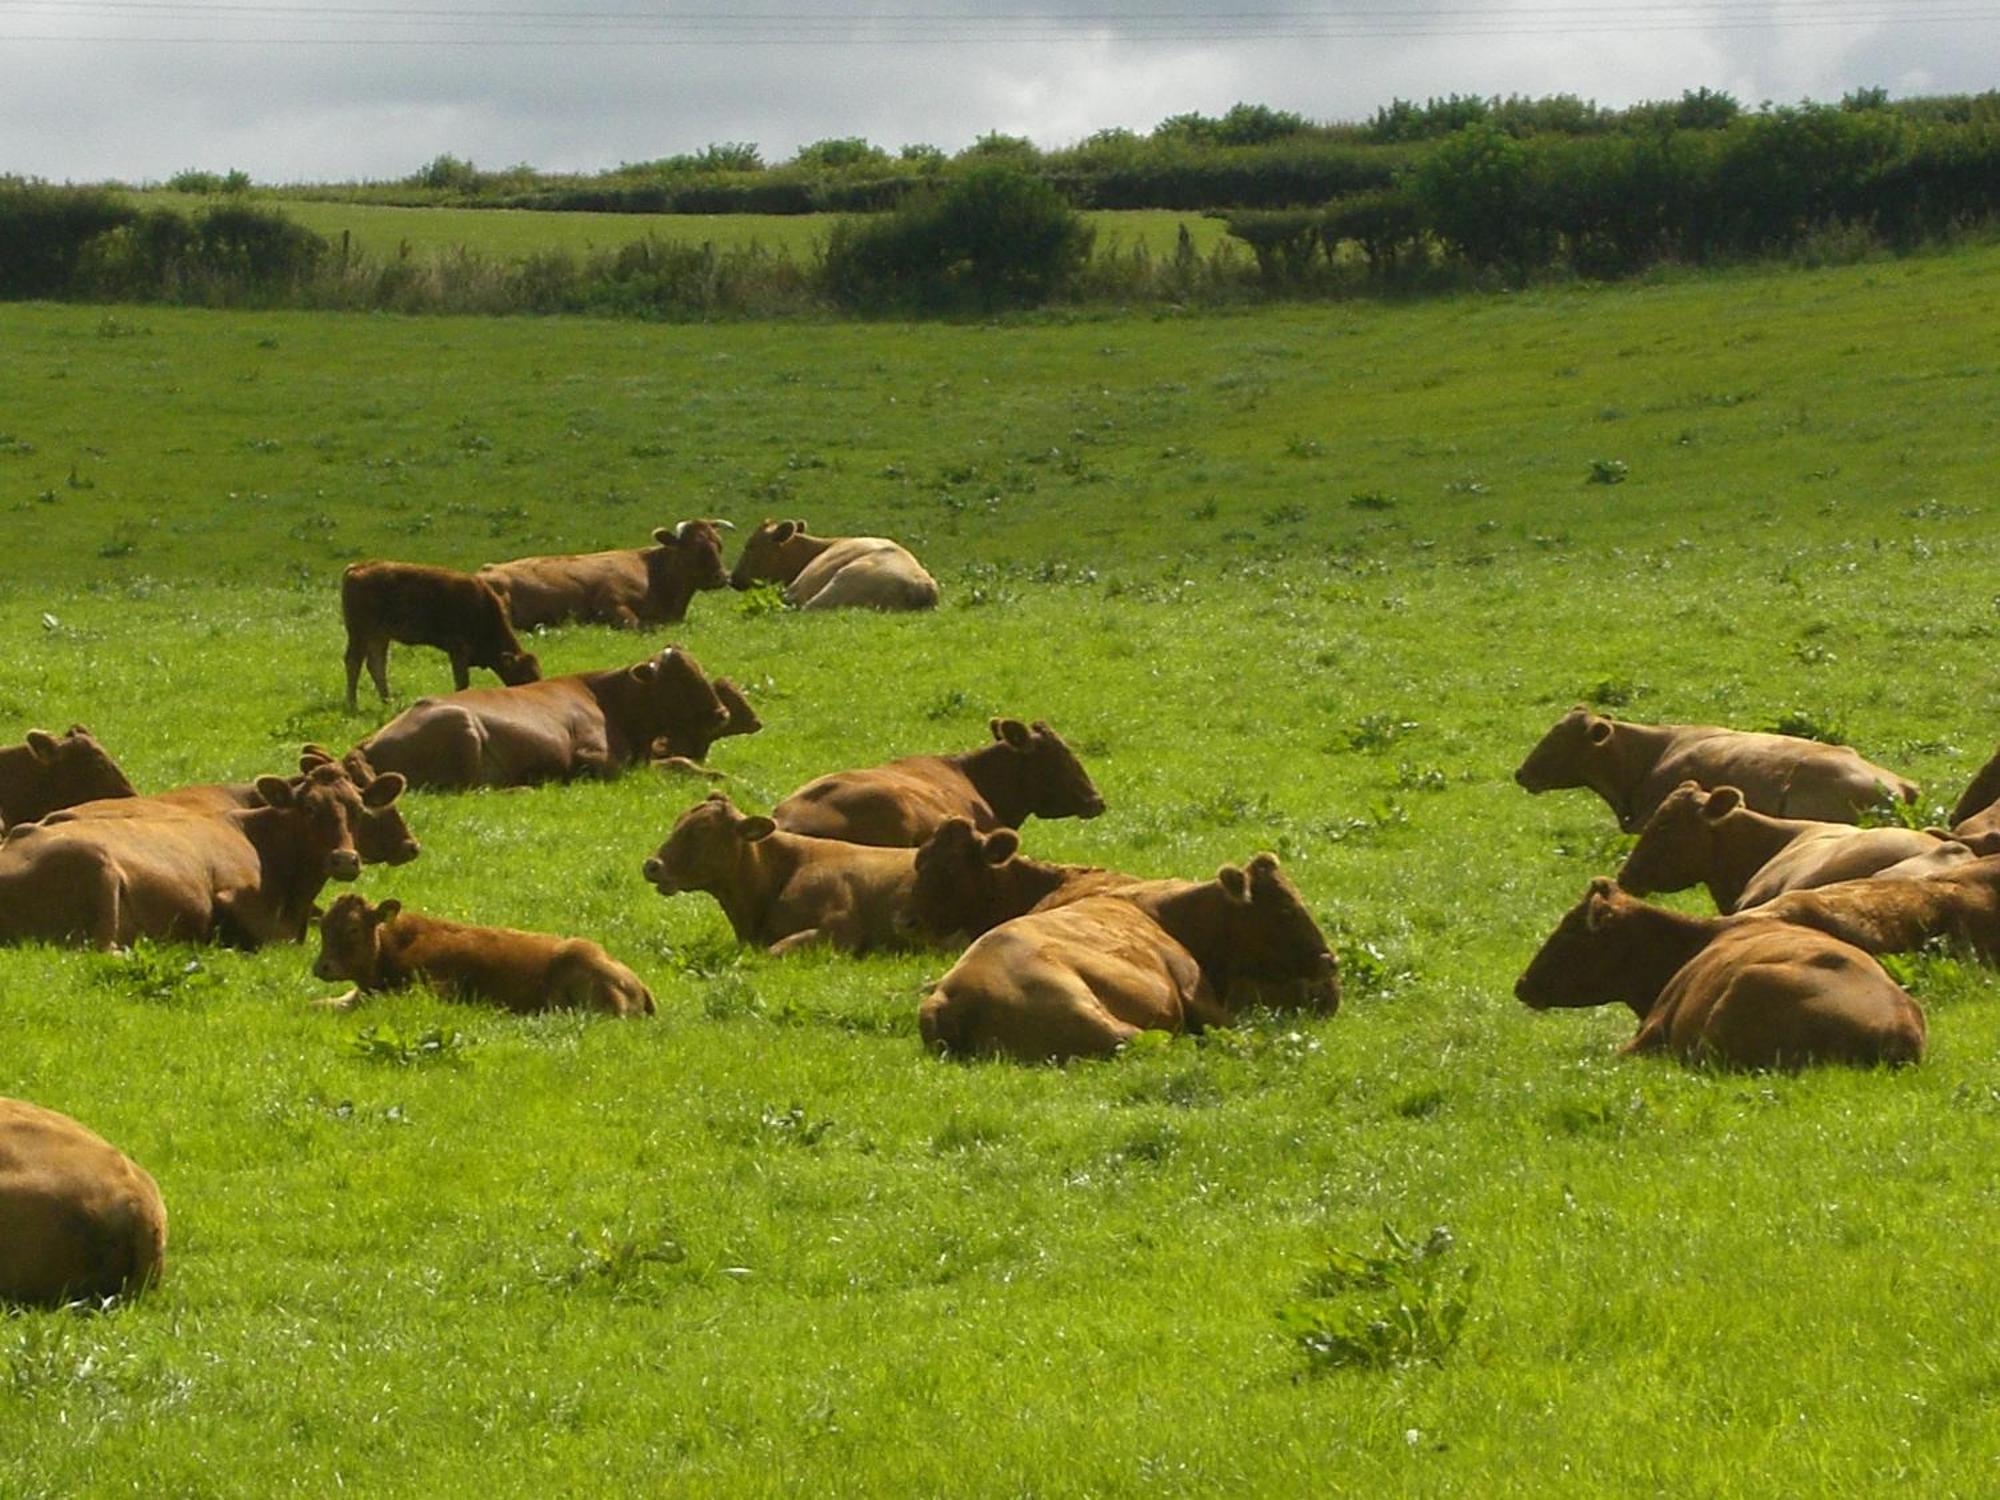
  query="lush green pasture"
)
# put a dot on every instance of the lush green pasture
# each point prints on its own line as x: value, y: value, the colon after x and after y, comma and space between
x: 510, y: 234
x: 763, y: 1244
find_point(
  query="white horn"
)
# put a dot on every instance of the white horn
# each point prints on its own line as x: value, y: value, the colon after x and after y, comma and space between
x: 680, y: 532
x: 725, y: 525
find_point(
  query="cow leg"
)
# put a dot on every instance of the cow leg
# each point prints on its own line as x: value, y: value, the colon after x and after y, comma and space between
x: 461, y: 668
x: 798, y: 940
x: 356, y: 653
x: 378, y: 667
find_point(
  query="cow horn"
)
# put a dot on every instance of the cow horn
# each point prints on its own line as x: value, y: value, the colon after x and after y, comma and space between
x: 719, y: 522
x: 680, y: 532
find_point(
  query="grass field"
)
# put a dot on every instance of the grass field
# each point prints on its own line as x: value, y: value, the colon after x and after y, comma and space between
x: 1309, y: 580
x: 510, y: 234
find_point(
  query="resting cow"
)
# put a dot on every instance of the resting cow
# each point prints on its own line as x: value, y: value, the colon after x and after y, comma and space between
x: 584, y: 724
x: 1976, y: 818
x: 689, y: 743
x: 1960, y: 906
x: 78, y: 1217
x: 1025, y: 771
x: 1745, y: 858
x: 969, y: 882
x: 1746, y: 992
x: 785, y: 890
x: 247, y: 877
x: 834, y: 572
x: 628, y: 587
x: 44, y: 773
x: 385, y: 948
x: 1635, y: 766
x: 1082, y: 979
x: 461, y: 615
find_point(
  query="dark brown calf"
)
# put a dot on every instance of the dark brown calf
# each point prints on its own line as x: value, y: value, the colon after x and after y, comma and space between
x: 424, y: 606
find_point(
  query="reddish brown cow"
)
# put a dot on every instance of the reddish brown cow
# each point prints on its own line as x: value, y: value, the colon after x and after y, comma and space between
x: 1976, y: 818
x: 690, y: 743
x: 1084, y: 978
x: 784, y: 890
x: 1959, y: 906
x: 628, y: 587
x: 386, y: 948
x: 423, y: 606
x: 969, y: 882
x: 78, y: 1217
x: 1746, y: 992
x: 1635, y: 766
x: 247, y: 877
x: 584, y: 724
x: 1025, y: 771
x: 44, y: 773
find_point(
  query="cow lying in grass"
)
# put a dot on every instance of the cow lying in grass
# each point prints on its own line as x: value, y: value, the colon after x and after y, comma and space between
x: 462, y: 616
x: 1746, y: 858
x: 46, y: 772
x: 1634, y: 767
x: 78, y: 1218
x: 969, y: 882
x: 1026, y: 771
x: 1744, y: 992
x: 1084, y: 978
x: 386, y: 948
x: 683, y: 749
x: 834, y: 572
x: 1960, y: 906
x: 584, y: 724
x: 1976, y: 817
x: 627, y: 587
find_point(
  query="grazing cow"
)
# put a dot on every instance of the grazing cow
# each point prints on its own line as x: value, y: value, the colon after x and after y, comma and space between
x: 1745, y: 858
x: 1960, y: 906
x: 44, y: 773
x: 1744, y: 992
x: 629, y: 587
x: 1024, y: 771
x: 247, y: 877
x: 1084, y: 978
x: 834, y: 572
x: 584, y: 724
x: 969, y: 882
x: 461, y: 615
x: 78, y: 1217
x: 785, y: 890
x: 1634, y: 767
x: 385, y: 948
x: 1976, y: 818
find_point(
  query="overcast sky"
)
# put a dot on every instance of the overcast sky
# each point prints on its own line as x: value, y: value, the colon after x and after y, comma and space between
x: 323, y: 90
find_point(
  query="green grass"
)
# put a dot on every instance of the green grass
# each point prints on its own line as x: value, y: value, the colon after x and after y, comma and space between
x: 510, y: 234
x: 763, y: 1244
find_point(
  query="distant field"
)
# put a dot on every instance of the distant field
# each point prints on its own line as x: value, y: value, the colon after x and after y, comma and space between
x: 1308, y: 579
x: 513, y: 233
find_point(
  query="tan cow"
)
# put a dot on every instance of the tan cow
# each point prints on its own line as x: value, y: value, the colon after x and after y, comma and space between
x: 1084, y: 978
x: 1960, y: 906
x: 628, y: 587
x: 1025, y: 771
x: 78, y: 1218
x: 1746, y: 858
x: 44, y: 773
x: 584, y: 724
x: 785, y: 890
x: 1635, y: 766
x: 834, y: 572
x: 247, y: 877
x: 386, y: 948
x: 969, y: 882
x: 1744, y: 992
x: 1976, y: 818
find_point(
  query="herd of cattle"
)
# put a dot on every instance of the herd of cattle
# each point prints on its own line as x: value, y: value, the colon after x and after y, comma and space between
x: 1061, y: 961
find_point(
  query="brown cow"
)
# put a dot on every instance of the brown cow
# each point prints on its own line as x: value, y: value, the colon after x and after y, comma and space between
x: 785, y: 890
x: 44, y: 773
x: 969, y: 882
x: 1745, y: 992
x: 584, y: 724
x: 1976, y: 818
x: 385, y: 948
x: 461, y: 615
x: 628, y: 587
x: 1959, y: 906
x: 247, y: 877
x: 834, y: 572
x: 78, y: 1217
x: 1024, y: 771
x: 1084, y: 978
x: 1635, y: 766
x: 689, y: 743
x: 1745, y: 858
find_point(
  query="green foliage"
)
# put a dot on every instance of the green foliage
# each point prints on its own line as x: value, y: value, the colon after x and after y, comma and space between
x: 447, y: 173
x: 383, y: 1043
x: 1608, y: 471
x: 1811, y: 724
x: 1383, y: 1310
x: 46, y: 233
x: 840, y: 154
x: 160, y: 975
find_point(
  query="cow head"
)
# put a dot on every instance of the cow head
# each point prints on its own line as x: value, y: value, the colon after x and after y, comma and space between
x: 1563, y: 753
x: 517, y: 668
x: 956, y: 888
x: 687, y: 557
x: 1272, y: 940
x: 773, y: 553
x: 1055, y: 780
x: 74, y: 768
x: 381, y: 837
x: 1676, y: 848
x: 326, y: 809
x: 350, y: 940
x: 742, y: 717
x: 674, y: 700
x: 705, y: 847
x: 1581, y: 963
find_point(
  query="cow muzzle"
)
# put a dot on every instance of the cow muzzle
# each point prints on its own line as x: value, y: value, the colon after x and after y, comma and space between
x: 656, y: 876
x: 1526, y: 993
x: 343, y: 864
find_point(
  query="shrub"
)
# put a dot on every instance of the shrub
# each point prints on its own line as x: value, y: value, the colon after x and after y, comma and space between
x: 840, y: 154
x: 46, y: 233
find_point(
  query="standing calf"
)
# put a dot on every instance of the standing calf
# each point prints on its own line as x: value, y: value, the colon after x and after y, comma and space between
x: 424, y: 606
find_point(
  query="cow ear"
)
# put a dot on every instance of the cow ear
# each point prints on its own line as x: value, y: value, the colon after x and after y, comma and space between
x: 1723, y: 801
x: 76, y: 732
x: 384, y: 789
x: 754, y: 828
x: 1235, y: 884
x: 644, y: 671
x: 1263, y: 868
x: 42, y: 745
x: 1598, y: 901
x: 275, y: 790
x: 312, y: 757
x: 786, y: 531
x: 1599, y: 731
x: 388, y: 909
x: 666, y: 536
x: 1013, y: 731
x: 1002, y: 845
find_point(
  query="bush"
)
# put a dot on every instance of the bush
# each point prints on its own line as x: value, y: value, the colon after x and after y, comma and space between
x: 47, y: 232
